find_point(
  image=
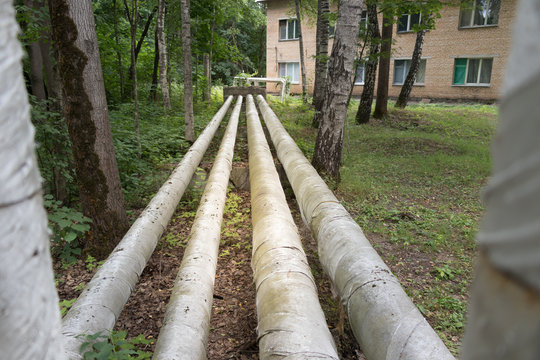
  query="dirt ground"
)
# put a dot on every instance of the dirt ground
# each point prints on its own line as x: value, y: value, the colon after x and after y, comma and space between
x: 233, y: 329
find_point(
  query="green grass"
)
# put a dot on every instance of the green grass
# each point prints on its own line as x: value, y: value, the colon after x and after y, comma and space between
x: 413, y: 181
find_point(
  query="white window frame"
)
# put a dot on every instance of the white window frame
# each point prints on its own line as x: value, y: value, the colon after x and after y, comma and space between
x: 409, y: 25
x: 470, y: 14
x: 289, y: 62
x: 289, y: 21
x: 364, y: 19
x: 405, y: 74
x: 363, y: 65
x: 477, y: 83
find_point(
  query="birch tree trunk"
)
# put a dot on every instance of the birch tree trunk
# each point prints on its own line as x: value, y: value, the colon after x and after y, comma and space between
x: 189, y: 132
x: 88, y: 123
x: 301, y: 46
x: 184, y: 334
x: 162, y: 55
x: 384, y: 320
x: 102, y: 300
x: 211, y: 52
x: 411, y: 76
x: 504, y: 311
x: 133, y: 17
x: 29, y: 316
x: 291, y: 323
x: 208, y: 85
x: 118, y: 53
x: 366, y: 99
x: 155, y: 70
x: 381, y: 104
x: 321, y: 54
x: 329, y: 143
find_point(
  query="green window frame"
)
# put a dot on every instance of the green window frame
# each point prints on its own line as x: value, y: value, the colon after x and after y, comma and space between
x: 472, y: 71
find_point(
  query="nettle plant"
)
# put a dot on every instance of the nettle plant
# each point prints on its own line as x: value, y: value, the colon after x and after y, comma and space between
x: 68, y: 226
x: 115, y: 346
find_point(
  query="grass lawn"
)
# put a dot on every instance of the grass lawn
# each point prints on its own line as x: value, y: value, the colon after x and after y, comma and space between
x: 412, y: 182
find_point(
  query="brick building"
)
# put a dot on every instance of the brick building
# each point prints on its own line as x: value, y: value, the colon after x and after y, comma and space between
x: 463, y: 57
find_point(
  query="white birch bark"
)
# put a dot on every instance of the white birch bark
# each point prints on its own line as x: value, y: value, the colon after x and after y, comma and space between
x: 184, y: 334
x: 291, y: 323
x: 29, y: 313
x: 162, y: 55
x: 504, y: 313
x: 384, y: 320
x: 102, y: 300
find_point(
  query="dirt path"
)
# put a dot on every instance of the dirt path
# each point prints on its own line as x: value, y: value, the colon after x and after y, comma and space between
x: 234, y: 320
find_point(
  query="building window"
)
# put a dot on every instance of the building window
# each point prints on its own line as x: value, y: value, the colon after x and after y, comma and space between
x: 290, y: 70
x: 331, y: 30
x: 360, y: 73
x: 288, y: 29
x: 363, y: 20
x: 479, y: 13
x: 472, y: 71
x: 401, y: 69
x: 407, y: 21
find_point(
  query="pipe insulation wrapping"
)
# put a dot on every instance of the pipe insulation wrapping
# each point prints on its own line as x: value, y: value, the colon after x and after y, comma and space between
x: 29, y: 313
x: 384, y: 320
x: 291, y: 324
x: 102, y: 300
x: 184, y: 334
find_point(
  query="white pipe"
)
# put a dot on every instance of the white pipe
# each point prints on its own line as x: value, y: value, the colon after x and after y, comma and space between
x: 184, y: 334
x: 29, y: 313
x: 291, y: 323
x: 384, y: 320
x: 102, y: 300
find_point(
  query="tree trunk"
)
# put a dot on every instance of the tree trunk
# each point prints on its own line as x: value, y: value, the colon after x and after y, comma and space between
x: 118, y: 53
x: 209, y: 78
x: 155, y: 71
x: 321, y: 55
x: 329, y: 143
x: 301, y: 45
x: 88, y: 123
x: 262, y: 51
x: 189, y: 132
x: 381, y: 105
x: 206, y: 69
x: 162, y: 54
x: 370, y: 71
x: 36, y: 64
x: 143, y: 36
x: 133, y: 22
x: 411, y: 76
x: 30, y: 325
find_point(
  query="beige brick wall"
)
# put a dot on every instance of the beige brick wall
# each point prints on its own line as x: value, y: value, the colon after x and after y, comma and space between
x: 441, y: 47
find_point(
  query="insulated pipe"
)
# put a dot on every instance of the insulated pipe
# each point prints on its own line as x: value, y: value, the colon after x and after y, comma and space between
x: 102, y: 300
x: 384, y: 320
x: 291, y: 323
x: 184, y: 334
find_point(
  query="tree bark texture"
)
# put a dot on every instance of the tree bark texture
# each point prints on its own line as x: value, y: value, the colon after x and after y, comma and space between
x: 162, y: 54
x: 189, y: 132
x: 208, y: 85
x: 142, y: 37
x: 86, y: 112
x: 370, y: 73
x: 133, y: 22
x: 184, y: 334
x: 30, y: 317
x: 329, y: 143
x: 211, y: 52
x: 321, y: 59
x: 301, y: 46
x: 118, y: 52
x: 155, y: 70
x: 381, y: 104
x: 112, y: 284
x: 411, y: 76
x: 281, y: 273
x: 384, y: 320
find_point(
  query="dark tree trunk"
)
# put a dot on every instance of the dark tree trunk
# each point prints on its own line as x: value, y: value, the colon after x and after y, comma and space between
x: 329, y: 143
x: 321, y: 59
x: 155, y: 71
x: 411, y: 76
x: 141, y: 39
x: 370, y: 71
x: 209, y: 76
x: 262, y: 52
x: 189, y: 132
x: 381, y: 105
x: 87, y: 117
x: 301, y: 45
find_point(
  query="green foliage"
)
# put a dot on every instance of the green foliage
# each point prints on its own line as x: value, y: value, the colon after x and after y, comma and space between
x: 115, y: 346
x: 92, y: 263
x: 68, y: 227
x: 65, y: 305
